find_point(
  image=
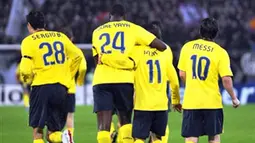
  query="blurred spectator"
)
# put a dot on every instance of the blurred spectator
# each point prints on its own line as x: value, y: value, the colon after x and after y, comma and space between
x: 179, y: 20
x: 248, y: 64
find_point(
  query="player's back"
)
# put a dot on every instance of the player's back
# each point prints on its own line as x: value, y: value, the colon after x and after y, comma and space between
x: 117, y: 39
x: 49, y: 55
x: 203, y: 61
x: 151, y: 78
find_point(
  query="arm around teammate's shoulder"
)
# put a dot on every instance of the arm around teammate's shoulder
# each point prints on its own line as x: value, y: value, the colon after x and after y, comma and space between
x: 144, y: 37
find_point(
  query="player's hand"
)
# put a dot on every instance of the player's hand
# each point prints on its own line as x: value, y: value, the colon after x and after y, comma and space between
x: 235, y: 103
x: 177, y: 107
x: 99, y: 60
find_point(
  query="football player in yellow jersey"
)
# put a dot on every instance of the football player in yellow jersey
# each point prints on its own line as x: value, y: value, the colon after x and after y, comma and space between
x: 155, y: 28
x: 113, y: 88
x: 26, y: 88
x: 153, y: 70
x: 201, y: 62
x: 44, y: 57
x: 80, y: 71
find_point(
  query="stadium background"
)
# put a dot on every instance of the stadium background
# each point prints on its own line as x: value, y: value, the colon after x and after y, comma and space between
x: 180, y: 22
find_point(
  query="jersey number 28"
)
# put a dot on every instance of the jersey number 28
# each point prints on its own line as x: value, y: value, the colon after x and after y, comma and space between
x: 197, y: 68
x: 57, y: 51
x: 121, y: 47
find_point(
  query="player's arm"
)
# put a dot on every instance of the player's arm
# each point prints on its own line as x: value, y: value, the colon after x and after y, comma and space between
x: 82, y: 71
x: 74, y: 54
x: 226, y: 76
x: 182, y: 64
x: 144, y: 37
x: 126, y: 63
x: 26, y: 63
x: 174, y: 81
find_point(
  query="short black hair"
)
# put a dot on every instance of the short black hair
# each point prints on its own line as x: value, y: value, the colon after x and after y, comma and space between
x: 36, y: 19
x: 209, y: 28
x: 67, y: 31
x: 118, y: 10
x: 154, y: 28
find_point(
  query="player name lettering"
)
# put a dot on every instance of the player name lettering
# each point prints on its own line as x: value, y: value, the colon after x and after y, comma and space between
x: 46, y: 35
x: 203, y: 47
x: 121, y: 25
x: 150, y: 53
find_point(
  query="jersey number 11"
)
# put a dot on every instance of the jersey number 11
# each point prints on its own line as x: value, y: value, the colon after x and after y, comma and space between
x: 151, y: 73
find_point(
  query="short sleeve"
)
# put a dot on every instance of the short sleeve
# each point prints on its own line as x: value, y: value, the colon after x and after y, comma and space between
x: 26, y: 50
x: 94, y: 51
x: 143, y: 37
x: 72, y: 50
x: 182, y: 61
x: 170, y: 53
x: 224, y: 65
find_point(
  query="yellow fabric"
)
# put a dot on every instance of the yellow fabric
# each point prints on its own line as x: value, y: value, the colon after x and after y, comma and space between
x: 26, y: 99
x: 112, y: 128
x: 119, y: 137
x: 56, y: 137
x: 81, y: 69
x: 38, y: 141
x: 103, y: 137
x: 153, y: 70
x: 117, y: 39
x: 165, y: 138
x: 203, y: 61
x: 157, y: 141
x: 139, y: 141
x: 189, y: 142
x: 44, y: 57
x: 125, y: 133
x: 29, y: 81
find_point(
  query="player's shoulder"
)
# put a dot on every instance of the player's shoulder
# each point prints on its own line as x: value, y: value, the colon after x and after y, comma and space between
x: 27, y: 39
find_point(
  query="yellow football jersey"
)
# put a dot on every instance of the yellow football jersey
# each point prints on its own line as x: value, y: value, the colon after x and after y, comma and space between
x: 81, y: 74
x: 154, y: 69
x: 19, y: 77
x: 117, y: 40
x: 203, y: 61
x: 44, y: 56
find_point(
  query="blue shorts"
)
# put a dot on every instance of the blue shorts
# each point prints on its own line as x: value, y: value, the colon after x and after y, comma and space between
x: 146, y: 121
x: 48, y: 106
x: 201, y: 122
x: 70, y: 103
x: 117, y: 96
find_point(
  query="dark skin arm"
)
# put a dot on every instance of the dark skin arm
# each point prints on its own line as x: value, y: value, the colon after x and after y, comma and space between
x: 158, y: 44
x: 96, y: 59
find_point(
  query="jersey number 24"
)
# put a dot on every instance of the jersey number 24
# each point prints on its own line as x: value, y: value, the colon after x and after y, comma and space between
x: 58, y: 51
x: 106, y: 36
x: 197, y: 68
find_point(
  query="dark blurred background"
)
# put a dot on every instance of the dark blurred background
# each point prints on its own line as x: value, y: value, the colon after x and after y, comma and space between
x: 179, y: 20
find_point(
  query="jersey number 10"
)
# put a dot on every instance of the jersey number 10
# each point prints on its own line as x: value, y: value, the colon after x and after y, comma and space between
x: 120, y: 35
x: 197, y: 69
x: 50, y: 52
x: 151, y: 74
